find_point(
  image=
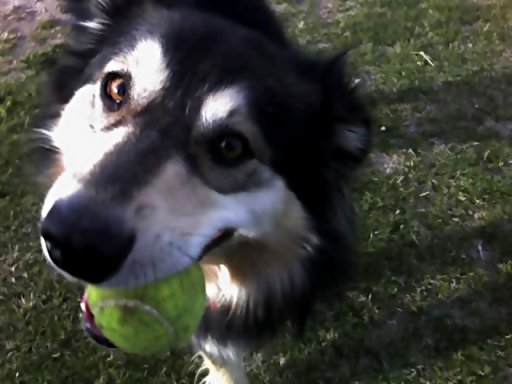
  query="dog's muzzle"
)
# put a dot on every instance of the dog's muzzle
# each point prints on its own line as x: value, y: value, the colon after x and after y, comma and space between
x: 89, y: 324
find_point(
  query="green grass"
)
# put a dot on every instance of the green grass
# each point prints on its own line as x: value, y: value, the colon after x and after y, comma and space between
x: 432, y: 299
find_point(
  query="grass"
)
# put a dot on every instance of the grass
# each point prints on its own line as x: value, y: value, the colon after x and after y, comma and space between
x: 432, y: 300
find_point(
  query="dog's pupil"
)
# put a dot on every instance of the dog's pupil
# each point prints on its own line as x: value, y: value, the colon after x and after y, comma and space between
x: 118, y: 89
x: 231, y: 147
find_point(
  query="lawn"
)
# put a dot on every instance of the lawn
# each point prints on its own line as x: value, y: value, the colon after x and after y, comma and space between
x: 431, y: 303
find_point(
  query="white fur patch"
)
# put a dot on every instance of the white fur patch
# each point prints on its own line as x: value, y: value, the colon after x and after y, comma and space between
x: 218, y: 105
x: 220, y: 286
x: 79, y: 133
x: 96, y: 25
x: 147, y: 66
x: 230, y: 371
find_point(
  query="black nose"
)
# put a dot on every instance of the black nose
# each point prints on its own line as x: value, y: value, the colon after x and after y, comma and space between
x: 87, y: 240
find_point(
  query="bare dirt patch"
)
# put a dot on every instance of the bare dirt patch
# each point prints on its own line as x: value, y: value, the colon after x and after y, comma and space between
x: 27, y: 26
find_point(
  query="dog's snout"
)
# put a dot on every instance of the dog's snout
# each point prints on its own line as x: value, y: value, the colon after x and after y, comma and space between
x: 87, y: 240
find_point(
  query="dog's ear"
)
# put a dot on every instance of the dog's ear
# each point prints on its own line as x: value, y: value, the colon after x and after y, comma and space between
x: 97, y: 15
x: 83, y: 11
x: 92, y: 22
x: 347, y: 115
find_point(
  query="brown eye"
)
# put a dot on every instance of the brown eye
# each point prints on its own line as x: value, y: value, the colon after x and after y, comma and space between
x: 115, y: 89
x: 230, y: 149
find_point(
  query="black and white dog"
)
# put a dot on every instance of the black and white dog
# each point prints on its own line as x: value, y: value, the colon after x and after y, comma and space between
x: 193, y: 131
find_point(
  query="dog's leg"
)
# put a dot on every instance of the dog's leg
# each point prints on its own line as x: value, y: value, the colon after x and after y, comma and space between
x: 226, y: 372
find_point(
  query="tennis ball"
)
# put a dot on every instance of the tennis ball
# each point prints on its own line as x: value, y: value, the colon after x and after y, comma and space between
x: 152, y: 318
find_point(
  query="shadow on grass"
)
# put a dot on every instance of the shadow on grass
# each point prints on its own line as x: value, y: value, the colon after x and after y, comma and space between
x: 445, y: 303
x: 474, y: 108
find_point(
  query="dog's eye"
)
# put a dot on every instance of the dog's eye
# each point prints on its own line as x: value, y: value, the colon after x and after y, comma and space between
x: 230, y: 149
x: 115, y: 90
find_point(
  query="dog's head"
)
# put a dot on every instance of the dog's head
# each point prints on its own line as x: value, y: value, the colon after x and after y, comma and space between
x: 189, y: 134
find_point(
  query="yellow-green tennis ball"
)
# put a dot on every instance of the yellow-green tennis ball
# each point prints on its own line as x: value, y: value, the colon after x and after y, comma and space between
x: 153, y: 318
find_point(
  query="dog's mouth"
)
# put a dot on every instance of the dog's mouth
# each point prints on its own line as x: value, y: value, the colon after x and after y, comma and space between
x: 219, y: 239
x: 90, y: 326
x: 93, y: 330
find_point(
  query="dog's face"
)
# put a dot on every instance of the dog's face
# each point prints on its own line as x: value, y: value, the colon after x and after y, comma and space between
x: 184, y: 138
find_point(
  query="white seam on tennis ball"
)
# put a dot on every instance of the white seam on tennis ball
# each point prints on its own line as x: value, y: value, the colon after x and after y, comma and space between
x: 138, y: 305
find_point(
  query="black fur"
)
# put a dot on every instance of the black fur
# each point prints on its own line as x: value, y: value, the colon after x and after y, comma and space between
x: 300, y: 102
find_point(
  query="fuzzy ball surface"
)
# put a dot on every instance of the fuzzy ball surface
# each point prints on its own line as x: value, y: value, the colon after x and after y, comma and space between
x: 153, y: 318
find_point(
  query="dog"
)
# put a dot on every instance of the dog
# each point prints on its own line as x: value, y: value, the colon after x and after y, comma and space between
x: 195, y: 131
